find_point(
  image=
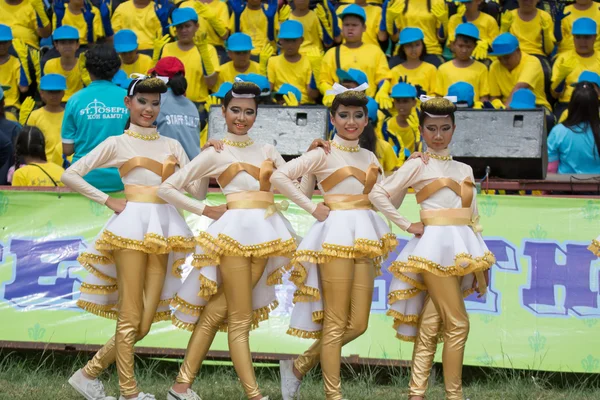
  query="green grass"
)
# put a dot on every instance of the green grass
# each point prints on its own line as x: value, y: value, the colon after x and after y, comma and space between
x: 36, y: 376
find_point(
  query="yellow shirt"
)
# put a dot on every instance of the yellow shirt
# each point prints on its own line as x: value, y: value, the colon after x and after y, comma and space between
x: 222, y: 12
x: 529, y: 71
x: 143, y: 21
x: 74, y: 82
x: 566, y: 26
x: 487, y: 25
x: 280, y: 71
x: 10, y: 73
x: 197, y: 90
x: 22, y: 20
x: 30, y: 175
x: 78, y: 21
x: 368, y: 58
x: 423, y: 75
x: 530, y: 33
x: 228, y: 72
x: 373, y: 20
x: 405, y: 136
x: 476, y: 74
x: 418, y: 16
x: 140, y: 66
x: 313, y: 35
x: 254, y: 24
x: 50, y: 124
x: 386, y: 156
x: 583, y: 64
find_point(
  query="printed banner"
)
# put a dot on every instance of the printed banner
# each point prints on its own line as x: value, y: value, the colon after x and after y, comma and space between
x: 541, y: 312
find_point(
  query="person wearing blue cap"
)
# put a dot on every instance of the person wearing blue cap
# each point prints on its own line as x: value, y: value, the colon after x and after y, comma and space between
x: 49, y: 119
x: 27, y: 19
x: 570, y: 14
x: 523, y: 99
x: 214, y: 99
x: 586, y: 76
x: 414, y: 68
x: 255, y: 19
x: 141, y: 17
x: 200, y: 59
x: 318, y: 33
x: 10, y: 75
x: 429, y: 16
x: 83, y: 16
x: 402, y: 130
x: 534, y: 28
x: 290, y: 66
x: 370, y: 140
x: 514, y: 70
x: 352, y: 78
x: 354, y: 53
x: 126, y: 44
x: 570, y: 64
x: 262, y: 82
x: 239, y: 47
x: 463, y: 68
x: 66, y: 41
x: 288, y: 95
x: 373, y: 20
x: 464, y: 93
x: 487, y: 25
x: 213, y: 17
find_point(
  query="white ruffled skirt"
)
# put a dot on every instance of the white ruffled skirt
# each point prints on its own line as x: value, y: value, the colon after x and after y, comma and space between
x: 344, y: 234
x: 239, y: 232
x: 595, y: 246
x: 443, y: 251
x: 147, y: 227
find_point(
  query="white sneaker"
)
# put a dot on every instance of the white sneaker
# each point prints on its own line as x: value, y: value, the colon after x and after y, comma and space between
x: 188, y: 395
x: 91, y: 389
x: 290, y: 384
x: 140, y: 396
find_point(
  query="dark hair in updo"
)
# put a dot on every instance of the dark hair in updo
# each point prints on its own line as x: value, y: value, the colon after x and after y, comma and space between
x: 350, y: 98
x: 437, y: 106
x: 242, y: 88
x: 146, y: 85
x: 102, y: 61
x: 30, y: 143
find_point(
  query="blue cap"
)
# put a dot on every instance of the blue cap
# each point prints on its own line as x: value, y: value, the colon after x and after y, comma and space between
x: 239, y: 42
x: 183, y: 15
x: 65, y: 32
x: 584, y: 26
x: 125, y: 41
x: 223, y: 89
x: 5, y: 33
x: 355, y: 10
x: 404, y: 91
x: 261, y: 81
x: 588, y: 76
x: 464, y: 92
x: 53, y: 82
x: 121, y: 79
x: 286, y: 88
x: 372, y: 108
x: 291, y: 29
x: 504, y: 44
x: 352, y: 75
x: 409, y: 35
x: 523, y: 99
x: 467, y: 29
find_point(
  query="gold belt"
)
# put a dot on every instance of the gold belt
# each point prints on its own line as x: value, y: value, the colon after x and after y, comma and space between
x: 256, y: 200
x: 348, y: 202
x: 143, y: 194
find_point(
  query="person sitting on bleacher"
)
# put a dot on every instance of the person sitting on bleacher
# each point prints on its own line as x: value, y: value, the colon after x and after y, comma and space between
x: 132, y: 61
x: 414, y: 70
x: 571, y: 13
x: 141, y: 17
x: 213, y: 17
x: 465, y: 95
x: 239, y: 45
x: 27, y: 19
x: 10, y: 75
x: 373, y: 14
x: 402, y: 130
x: 66, y: 41
x: 570, y: 64
x: 91, y: 23
x: 523, y: 99
x: 260, y: 22
x: 586, y: 76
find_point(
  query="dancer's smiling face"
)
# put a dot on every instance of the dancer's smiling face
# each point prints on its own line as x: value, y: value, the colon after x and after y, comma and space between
x: 240, y: 115
x: 349, y: 121
x: 143, y: 108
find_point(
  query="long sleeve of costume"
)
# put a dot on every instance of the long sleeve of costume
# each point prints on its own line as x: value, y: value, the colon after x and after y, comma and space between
x: 283, y: 178
x: 197, y: 189
x: 389, y: 194
x: 200, y: 167
x: 102, y: 156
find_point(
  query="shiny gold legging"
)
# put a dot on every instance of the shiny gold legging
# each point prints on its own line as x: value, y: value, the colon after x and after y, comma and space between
x: 347, y: 286
x: 233, y: 301
x: 444, y: 306
x: 140, y: 279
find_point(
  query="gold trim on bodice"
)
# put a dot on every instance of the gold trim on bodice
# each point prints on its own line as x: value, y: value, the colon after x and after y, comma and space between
x: 464, y: 190
x: 262, y: 174
x: 368, y: 178
x: 147, y: 194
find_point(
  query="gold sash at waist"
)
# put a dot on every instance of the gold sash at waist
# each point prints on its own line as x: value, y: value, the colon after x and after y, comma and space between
x: 447, y: 216
x: 143, y: 194
x: 254, y: 200
x: 348, y: 202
